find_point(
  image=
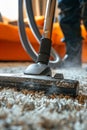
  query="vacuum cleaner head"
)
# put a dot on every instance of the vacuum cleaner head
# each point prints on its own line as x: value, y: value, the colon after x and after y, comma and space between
x: 50, y: 85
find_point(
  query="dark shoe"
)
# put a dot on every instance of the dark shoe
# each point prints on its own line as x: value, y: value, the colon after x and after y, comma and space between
x: 67, y: 63
x: 73, y: 55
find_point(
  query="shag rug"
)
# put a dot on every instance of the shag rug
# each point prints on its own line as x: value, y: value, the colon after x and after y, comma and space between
x: 23, y: 110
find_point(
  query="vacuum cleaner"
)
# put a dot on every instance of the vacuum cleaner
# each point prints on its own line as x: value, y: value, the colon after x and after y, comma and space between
x: 38, y: 76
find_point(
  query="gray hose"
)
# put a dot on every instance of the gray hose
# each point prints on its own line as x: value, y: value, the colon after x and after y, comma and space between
x: 24, y: 40
x: 27, y: 45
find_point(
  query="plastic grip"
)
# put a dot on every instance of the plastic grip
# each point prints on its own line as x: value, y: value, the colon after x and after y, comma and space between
x: 44, y: 52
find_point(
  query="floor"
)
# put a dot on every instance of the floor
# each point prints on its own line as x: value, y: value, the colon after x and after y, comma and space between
x: 23, y: 110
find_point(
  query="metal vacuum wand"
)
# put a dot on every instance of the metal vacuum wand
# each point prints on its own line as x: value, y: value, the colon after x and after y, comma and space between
x: 41, y: 67
x: 49, y: 18
x: 45, y: 48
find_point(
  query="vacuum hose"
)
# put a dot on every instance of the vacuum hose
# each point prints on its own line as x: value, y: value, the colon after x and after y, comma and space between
x: 25, y: 41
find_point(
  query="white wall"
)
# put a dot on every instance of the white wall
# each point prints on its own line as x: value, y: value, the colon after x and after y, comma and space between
x: 9, y: 8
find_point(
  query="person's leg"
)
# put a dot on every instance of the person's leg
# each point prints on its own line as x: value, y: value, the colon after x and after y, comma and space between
x: 69, y: 19
x: 84, y: 12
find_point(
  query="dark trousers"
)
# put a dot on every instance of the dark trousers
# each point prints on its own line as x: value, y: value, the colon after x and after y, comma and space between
x: 72, y: 11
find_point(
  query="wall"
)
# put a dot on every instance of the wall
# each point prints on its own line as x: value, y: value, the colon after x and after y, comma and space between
x: 9, y: 8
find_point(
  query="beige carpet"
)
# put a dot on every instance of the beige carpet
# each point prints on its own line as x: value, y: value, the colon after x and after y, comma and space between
x: 35, y: 111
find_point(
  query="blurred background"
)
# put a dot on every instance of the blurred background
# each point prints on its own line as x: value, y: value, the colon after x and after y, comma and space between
x: 9, y: 8
x: 9, y: 34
